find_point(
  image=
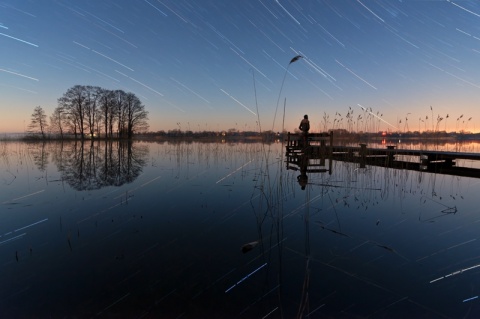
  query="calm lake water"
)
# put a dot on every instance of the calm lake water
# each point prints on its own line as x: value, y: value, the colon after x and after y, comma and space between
x: 156, y: 230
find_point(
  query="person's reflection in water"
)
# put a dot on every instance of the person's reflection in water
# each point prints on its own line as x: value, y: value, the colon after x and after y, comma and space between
x: 303, y: 178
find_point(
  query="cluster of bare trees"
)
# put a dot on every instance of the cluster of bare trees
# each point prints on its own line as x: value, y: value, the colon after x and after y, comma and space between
x: 91, y: 111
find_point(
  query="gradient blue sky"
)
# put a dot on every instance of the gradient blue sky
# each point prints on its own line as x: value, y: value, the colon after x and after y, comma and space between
x: 193, y: 63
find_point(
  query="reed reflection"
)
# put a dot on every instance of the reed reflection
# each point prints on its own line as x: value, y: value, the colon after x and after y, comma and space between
x: 359, y: 223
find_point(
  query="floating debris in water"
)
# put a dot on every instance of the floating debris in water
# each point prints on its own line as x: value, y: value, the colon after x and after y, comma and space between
x: 247, y: 247
x: 450, y: 210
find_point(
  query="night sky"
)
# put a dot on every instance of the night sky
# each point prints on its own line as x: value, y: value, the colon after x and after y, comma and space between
x: 216, y: 65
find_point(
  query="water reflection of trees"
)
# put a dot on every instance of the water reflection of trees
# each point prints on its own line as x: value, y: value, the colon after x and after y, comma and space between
x: 40, y: 154
x: 96, y: 164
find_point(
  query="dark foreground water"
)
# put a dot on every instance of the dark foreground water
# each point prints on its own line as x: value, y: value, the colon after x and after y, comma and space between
x: 151, y: 230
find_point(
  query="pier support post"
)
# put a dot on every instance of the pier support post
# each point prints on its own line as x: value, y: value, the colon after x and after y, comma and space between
x: 363, y: 154
x: 330, y: 154
x: 323, y: 148
x: 331, y: 143
x: 424, y: 162
x: 390, y: 154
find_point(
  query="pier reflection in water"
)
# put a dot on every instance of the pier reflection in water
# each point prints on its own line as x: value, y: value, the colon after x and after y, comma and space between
x: 204, y: 230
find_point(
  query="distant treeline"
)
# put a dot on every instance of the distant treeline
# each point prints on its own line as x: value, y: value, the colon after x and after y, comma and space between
x: 91, y: 112
x: 212, y: 135
x: 337, y: 133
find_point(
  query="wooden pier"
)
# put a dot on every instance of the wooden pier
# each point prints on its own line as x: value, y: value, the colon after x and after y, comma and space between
x: 318, y: 148
x: 310, y: 155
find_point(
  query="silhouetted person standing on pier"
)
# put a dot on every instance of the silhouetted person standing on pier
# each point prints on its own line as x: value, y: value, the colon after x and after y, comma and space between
x: 304, y: 128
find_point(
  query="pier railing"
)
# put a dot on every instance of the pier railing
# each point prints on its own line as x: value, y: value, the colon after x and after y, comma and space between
x: 313, y: 143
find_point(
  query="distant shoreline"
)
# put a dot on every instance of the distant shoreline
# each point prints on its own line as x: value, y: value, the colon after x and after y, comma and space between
x: 269, y: 136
